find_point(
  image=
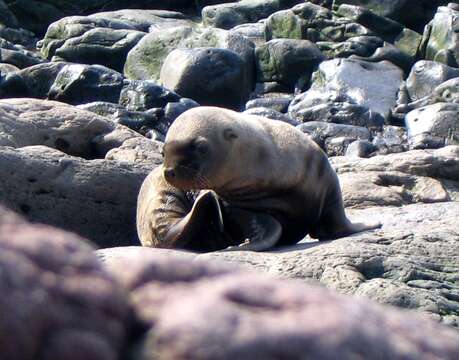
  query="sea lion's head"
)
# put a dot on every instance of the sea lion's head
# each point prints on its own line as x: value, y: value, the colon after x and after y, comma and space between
x: 198, y: 149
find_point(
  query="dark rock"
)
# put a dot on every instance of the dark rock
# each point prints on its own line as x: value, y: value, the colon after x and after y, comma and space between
x: 255, y: 32
x: 20, y: 37
x: 210, y: 76
x: 363, y: 46
x: 96, y: 198
x: 12, y: 85
x: 144, y: 95
x: 145, y: 60
x: 337, y: 146
x: 62, y: 304
x: 17, y: 56
x: 287, y: 61
x: 7, y: 18
x: 173, y: 109
x: 255, y: 316
x: 78, y: 84
x: 433, y: 126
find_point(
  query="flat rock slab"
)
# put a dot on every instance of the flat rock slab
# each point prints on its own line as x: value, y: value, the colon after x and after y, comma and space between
x: 60, y: 302
x: 94, y: 198
x: 208, y: 310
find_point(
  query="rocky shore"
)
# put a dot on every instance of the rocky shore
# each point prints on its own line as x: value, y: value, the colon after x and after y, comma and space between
x: 88, y: 90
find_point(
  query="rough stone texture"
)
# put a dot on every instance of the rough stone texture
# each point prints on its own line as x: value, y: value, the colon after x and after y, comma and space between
x: 287, y: 61
x: 425, y: 76
x: 229, y: 15
x: 433, y: 126
x: 255, y: 316
x: 144, y: 61
x: 374, y: 85
x: 61, y: 304
x: 76, y: 132
x: 442, y: 37
x: 210, y: 76
x: 138, y: 150
x: 79, y: 84
x: 96, y: 199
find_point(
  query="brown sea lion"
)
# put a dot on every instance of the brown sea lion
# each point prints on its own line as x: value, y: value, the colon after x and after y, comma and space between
x: 263, y: 181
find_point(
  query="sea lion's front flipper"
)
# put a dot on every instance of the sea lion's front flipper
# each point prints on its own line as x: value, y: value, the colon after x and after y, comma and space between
x: 257, y: 231
x: 204, y: 221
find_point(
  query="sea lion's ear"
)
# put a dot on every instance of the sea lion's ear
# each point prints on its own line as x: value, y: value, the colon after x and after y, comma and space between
x: 229, y: 134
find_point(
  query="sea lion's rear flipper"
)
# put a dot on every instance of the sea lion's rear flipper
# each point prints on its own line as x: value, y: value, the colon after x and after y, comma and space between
x: 256, y: 231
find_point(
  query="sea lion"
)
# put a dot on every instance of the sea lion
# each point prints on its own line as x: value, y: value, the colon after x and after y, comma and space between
x: 264, y: 176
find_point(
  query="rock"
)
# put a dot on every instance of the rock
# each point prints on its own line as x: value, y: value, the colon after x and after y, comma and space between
x: 145, y: 60
x: 337, y: 146
x: 391, y: 139
x: 19, y: 37
x: 323, y: 133
x: 411, y: 262
x: 271, y: 114
x: 145, y: 95
x: 360, y: 148
x: 287, y: 61
x: 373, y: 85
x: 210, y: 76
x: 138, y: 150
x: 255, y: 32
x: 173, y: 109
x: 79, y: 84
x: 425, y: 76
x: 96, y: 198
x: 333, y: 108
x: 6, y: 69
x: 229, y: 15
x: 36, y: 15
x: 62, y: 304
x: 277, y: 102
x: 258, y: 316
x: 363, y: 46
x: 17, y: 56
x: 413, y: 14
x: 433, y: 126
x: 442, y: 39
x: 25, y: 122
x: 7, y: 18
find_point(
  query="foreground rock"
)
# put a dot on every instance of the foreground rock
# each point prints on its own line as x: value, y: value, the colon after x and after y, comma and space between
x: 257, y: 316
x: 96, y: 199
x: 61, y: 303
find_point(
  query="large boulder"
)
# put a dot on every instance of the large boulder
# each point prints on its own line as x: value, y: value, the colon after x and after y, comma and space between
x: 255, y: 316
x: 210, y: 76
x: 145, y: 60
x: 373, y: 85
x: 442, y: 37
x: 61, y: 304
x: 287, y: 61
x: 96, y: 199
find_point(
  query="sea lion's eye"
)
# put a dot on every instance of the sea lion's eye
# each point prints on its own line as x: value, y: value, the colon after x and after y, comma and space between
x: 202, y: 147
x: 229, y: 134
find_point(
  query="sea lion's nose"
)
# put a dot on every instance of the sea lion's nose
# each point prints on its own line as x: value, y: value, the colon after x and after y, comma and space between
x: 169, y: 173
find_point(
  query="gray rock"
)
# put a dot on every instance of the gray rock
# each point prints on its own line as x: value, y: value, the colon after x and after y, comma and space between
x: 17, y: 56
x: 7, y: 18
x: 287, y: 61
x: 210, y: 76
x: 425, y: 76
x: 442, y: 39
x: 322, y: 132
x: 255, y: 32
x: 360, y: 148
x: 433, y: 126
x: 62, y: 304
x: 337, y: 146
x: 173, y: 109
x: 277, y: 102
x: 79, y: 84
x: 104, y: 38
x: 6, y: 69
x: 25, y: 122
x: 138, y: 150
x: 229, y: 15
x: 373, y: 85
x: 96, y: 198
x: 145, y: 60
x: 271, y: 114
x: 391, y: 139
x: 255, y: 316
x: 20, y: 37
